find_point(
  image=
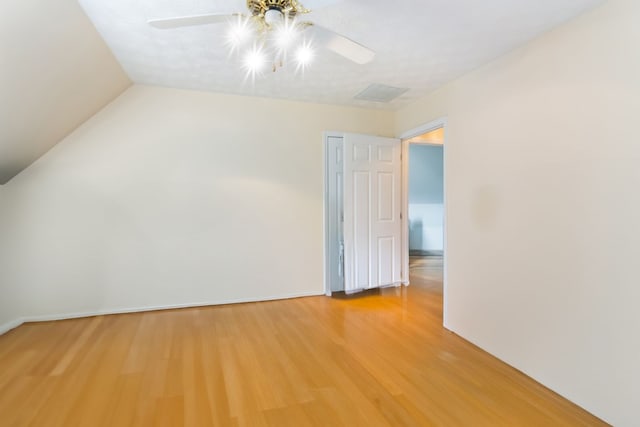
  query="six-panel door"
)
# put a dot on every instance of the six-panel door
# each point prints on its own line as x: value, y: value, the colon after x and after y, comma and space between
x: 372, y: 201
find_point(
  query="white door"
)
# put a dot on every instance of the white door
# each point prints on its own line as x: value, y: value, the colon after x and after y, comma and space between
x: 372, y: 212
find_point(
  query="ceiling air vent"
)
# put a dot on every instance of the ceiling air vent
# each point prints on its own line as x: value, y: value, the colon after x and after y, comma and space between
x: 380, y: 93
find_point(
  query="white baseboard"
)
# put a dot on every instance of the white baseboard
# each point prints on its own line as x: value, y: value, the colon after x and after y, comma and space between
x: 63, y: 316
x: 10, y: 325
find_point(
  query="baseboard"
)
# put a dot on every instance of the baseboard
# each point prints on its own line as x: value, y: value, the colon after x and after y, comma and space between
x: 419, y: 252
x: 10, y: 325
x: 64, y: 316
x: 525, y: 372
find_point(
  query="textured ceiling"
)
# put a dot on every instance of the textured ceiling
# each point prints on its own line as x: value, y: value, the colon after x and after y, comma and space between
x: 420, y: 44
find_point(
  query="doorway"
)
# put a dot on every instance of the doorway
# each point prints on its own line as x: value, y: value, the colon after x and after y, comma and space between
x: 338, y: 244
x: 424, y: 196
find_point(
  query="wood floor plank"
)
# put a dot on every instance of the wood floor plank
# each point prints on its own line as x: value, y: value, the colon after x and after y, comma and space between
x: 381, y: 358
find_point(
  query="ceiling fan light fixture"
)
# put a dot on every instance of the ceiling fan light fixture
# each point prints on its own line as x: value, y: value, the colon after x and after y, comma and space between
x: 255, y: 61
x: 273, y: 17
x: 289, y: 7
x: 304, y: 55
x: 285, y: 35
x: 239, y: 33
x: 274, y: 26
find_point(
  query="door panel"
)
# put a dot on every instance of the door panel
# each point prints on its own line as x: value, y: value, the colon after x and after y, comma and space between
x: 372, y: 226
x: 385, y: 259
x: 385, y: 196
x: 361, y: 226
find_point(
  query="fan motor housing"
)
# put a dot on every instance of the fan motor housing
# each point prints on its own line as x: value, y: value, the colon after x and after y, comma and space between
x: 260, y: 7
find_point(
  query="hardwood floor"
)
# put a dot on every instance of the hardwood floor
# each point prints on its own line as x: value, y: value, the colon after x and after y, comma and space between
x: 379, y: 359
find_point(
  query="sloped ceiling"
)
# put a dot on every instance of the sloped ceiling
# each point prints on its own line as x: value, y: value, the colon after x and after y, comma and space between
x: 55, y: 73
x: 420, y: 44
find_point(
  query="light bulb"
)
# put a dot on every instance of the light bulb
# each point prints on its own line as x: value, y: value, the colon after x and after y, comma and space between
x: 304, y: 55
x: 284, y: 35
x: 239, y: 33
x: 273, y: 17
x: 254, y: 61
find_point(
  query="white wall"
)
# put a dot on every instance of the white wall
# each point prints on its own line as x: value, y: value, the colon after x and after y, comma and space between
x: 426, y: 231
x: 8, y: 305
x: 170, y: 197
x: 55, y: 73
x: 426, y: 187
x: 543, y: 175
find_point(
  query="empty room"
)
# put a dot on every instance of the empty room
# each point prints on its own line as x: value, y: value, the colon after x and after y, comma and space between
x: 319, y: 213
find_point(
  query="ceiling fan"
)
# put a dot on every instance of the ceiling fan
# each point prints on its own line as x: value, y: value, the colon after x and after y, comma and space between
x: 274, y: 26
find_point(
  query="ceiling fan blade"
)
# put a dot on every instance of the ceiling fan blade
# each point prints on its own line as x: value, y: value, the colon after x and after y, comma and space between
x: 343, y: 46
x: 188, y: 21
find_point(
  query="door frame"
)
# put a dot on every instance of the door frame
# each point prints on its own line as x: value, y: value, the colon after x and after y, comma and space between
x: 325, y: 207
x: 405, y: 137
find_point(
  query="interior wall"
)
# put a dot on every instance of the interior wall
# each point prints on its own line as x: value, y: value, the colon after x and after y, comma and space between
x: 170, y: 198
x: 426, y: 202
x: 543, y: 206
x: 56, y: 72
x: 8, y: 309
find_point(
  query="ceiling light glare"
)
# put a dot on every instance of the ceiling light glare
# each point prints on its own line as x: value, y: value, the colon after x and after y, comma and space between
x: 304, y: 55
x: 255, y: 61
x: 285, y: 35
x: 239, y: 33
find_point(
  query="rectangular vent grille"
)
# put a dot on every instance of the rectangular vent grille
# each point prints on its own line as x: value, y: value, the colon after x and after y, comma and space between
x: 380, y: 93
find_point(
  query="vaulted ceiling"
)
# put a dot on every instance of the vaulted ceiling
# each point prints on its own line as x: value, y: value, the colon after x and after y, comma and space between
x: 59, y: 67
x: 419, y: 44
x: 55, y: 72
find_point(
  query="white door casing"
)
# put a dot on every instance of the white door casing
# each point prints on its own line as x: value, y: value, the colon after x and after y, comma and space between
x: 372, y: 212
x: 335, y: 215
